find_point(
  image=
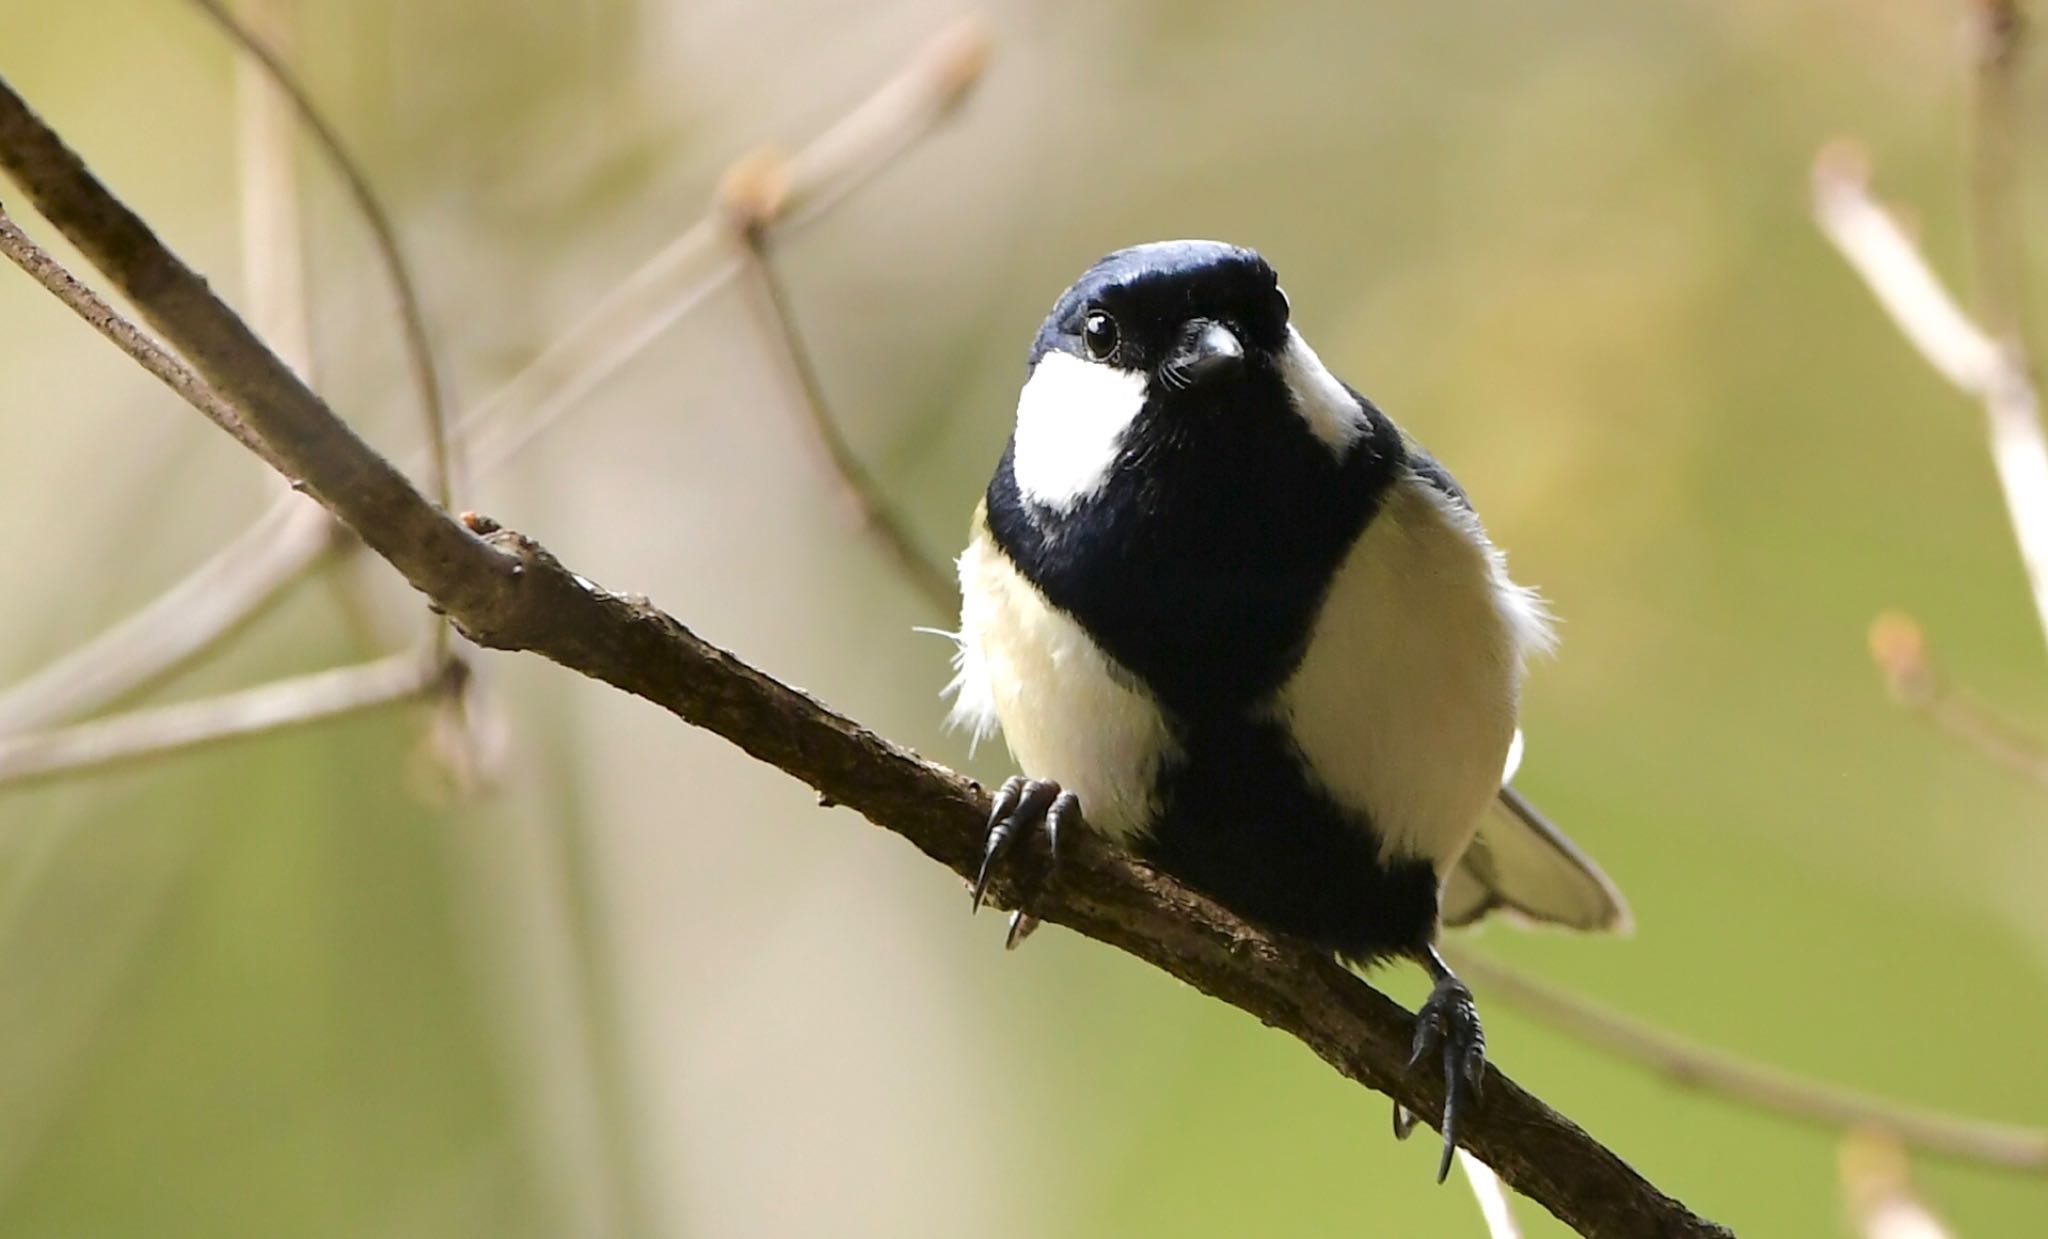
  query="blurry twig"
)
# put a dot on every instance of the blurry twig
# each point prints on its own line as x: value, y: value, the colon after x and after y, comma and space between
x: 273, y: 251
x: 1767, y: 1088
x: 1899, y: 648
x: 165, y: 730
x: 751, y: 193
x: 286, y: 543
x: 1992, y: 371
x: 1998, y: 237
x: 22, y: 250
x: 411, y: 315
x: 1492, y: 1197
x: 1878, y: 1190
x: 506, y: 592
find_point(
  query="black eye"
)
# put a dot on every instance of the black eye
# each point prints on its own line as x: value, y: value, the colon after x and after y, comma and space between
x: 1098, y: 335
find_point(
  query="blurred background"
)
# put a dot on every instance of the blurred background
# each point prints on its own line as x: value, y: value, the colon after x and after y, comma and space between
x: 643, y: 986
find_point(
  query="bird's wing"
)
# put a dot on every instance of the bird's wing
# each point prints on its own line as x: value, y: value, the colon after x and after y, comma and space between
x: 1524, y: 866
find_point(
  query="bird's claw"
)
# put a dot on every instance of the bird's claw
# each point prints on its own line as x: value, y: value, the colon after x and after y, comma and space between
x: 1447, y: 1025
x: 1020, y: 805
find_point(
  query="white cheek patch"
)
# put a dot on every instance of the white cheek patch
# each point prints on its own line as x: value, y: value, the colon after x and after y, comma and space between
x: 1332, y: 413
x: 1071, y: 420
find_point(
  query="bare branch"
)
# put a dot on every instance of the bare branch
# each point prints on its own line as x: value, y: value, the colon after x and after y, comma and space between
x: 280, y: 549
x: 1994, y: 373
x: 22, y: 250
x: 165, y: 730
x: 508, y: 593
x: 411, y: 315
x: 1997, y: 229
x: 273, y: 249
x: 1766, y: 1088
x: 1900, y: 651
x: 235, y: 586
x: 863, y: 495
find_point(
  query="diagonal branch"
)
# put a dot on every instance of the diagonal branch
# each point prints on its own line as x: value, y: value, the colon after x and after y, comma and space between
x: 508, y: 593
x: 1766, y: 1088
x: 1899, y: 648
x: 188, y: 725
x: 871, y: 507
x: 291, y: 540
x: 23, y: 252
x: 411, y: 314
x: 1992, y: 371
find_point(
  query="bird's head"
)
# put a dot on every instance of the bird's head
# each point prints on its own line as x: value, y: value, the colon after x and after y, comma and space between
x: 1175, y: 346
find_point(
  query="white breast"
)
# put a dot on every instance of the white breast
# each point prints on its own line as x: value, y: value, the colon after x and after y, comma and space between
x: 1066, y: 711
x: 1404, y: 703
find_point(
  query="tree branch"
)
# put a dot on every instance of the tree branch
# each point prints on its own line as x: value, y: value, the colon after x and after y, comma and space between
x: 1992, y: 371
x: 1766, y: 1088
x: 412, y: 317
x: 1899, y: 649
x: 293, y: 537
x: 878, y: 517
x: 187, y: 725
x: 508, y: 593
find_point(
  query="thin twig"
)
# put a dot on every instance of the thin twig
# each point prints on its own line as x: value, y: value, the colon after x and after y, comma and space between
x: 862, y: 493
x: 1997, y: 229
x: 1491, y: 1196
x: 1993, y: 372
x: 1877, y: 1188
x: 22, y: 250
x: 273, y: 249
x: 411, y: 313
x: 1724, y: 1075
x: 1899, y: 648
x: 165, y: 730
x: 280, y: 549
x: 508, y: 593
x: 232, y: 589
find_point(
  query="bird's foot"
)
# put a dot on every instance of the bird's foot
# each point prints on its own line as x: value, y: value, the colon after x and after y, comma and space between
x: 1447, y: 1027
x: 1021, y: 805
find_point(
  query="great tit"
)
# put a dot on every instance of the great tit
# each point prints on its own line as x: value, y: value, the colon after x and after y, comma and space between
x: 1229, y: 616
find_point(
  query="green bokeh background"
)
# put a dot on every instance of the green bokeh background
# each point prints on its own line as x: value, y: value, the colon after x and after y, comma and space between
x: 645, y: 987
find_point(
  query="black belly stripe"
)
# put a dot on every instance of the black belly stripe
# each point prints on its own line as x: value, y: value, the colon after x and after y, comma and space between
x: 1241, y: 819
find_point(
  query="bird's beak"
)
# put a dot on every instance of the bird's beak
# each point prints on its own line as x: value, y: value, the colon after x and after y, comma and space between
x: 1207, y: 349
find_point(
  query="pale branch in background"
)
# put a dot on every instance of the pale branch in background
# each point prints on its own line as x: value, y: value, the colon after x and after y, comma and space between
x: 273, y: 246
x: 877, y: 516
x: 23, y: 252
x: 288, y: 542
x: 1992, y: 371
x: 2006, y: 1146
x: 508, y: 593
x: 1899, y: 649
x: 442, y: 460
x: 1997, y: 225
x: 164, y: 730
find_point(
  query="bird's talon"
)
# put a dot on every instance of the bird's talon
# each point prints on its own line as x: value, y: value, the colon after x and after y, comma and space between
x: 1020, y: 805
x: 1447, y: 1025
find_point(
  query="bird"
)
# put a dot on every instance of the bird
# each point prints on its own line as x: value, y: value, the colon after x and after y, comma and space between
x: 1229, y: 617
